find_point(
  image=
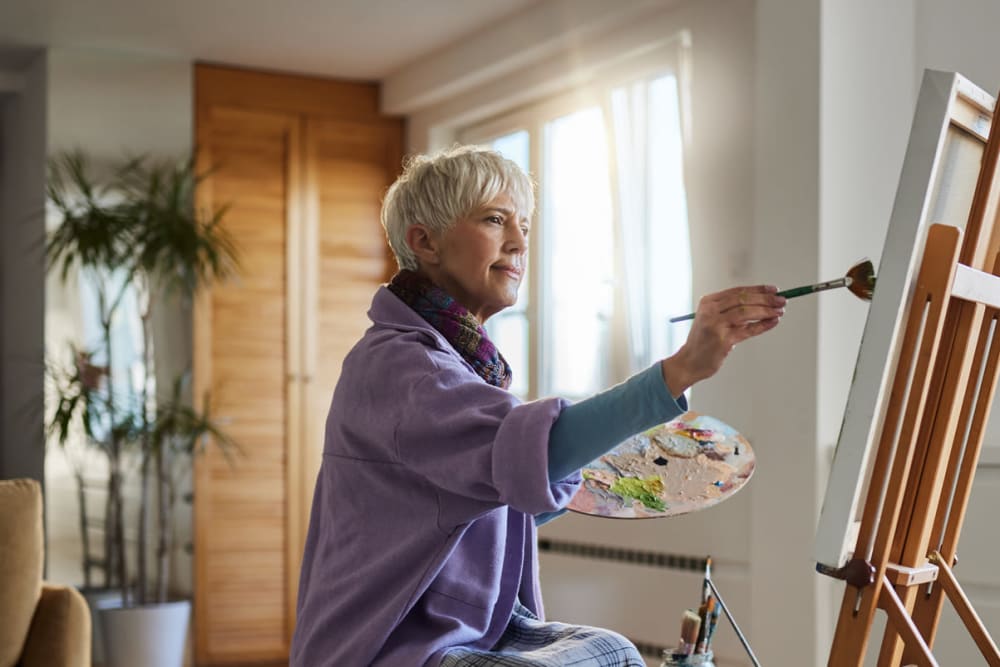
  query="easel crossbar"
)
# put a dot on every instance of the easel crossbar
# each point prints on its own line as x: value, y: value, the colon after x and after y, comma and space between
x: 900, y: 575
x: 977, y: 286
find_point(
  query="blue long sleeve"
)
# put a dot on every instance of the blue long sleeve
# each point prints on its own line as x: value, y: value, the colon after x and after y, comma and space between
x: 586, y: 430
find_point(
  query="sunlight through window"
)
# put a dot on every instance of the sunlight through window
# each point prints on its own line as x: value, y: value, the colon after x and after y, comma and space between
x: 579, y: 259
x: 610, y: 259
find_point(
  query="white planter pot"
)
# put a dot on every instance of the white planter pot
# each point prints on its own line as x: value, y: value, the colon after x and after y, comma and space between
x: 152, y: 635
x: 96, y: 598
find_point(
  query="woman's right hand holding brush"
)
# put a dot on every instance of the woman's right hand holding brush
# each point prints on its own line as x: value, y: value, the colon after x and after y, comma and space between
x: 722, y: 320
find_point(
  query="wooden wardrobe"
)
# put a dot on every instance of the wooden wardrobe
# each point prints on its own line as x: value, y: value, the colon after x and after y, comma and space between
x: 302, y: 164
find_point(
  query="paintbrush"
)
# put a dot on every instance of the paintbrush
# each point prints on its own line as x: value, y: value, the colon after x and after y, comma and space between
x: 707, y: 625
x: 705, y: 588
x: 860, y: 280
x: 690, y: 625
x: 713, y: 620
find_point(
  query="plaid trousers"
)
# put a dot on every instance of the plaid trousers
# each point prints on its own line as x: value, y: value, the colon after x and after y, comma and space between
x: 528, y: 642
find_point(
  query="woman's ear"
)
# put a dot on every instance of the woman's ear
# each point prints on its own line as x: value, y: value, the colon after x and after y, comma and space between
x: 423, y: 242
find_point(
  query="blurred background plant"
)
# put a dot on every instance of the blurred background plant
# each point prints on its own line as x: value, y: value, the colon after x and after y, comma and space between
x: 135, y: 238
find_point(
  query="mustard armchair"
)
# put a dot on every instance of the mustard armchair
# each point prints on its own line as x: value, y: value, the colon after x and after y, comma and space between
x: 40, y: 623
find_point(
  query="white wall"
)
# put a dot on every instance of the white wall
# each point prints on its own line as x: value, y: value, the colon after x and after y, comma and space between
x: 959, y: 36
x: 786, y: 200
x: 869, y: 88
x: 867, y: 92
x: 112, y: 105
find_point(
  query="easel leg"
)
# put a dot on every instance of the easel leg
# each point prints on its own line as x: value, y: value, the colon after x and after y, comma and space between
x: 962, y: 467
x: 895, y: 642
x: 966, y: 612
x: 853, y: 628
x: 902, y: 623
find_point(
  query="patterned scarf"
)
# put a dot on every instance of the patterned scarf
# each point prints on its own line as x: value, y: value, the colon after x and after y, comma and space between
x: 456, y: 324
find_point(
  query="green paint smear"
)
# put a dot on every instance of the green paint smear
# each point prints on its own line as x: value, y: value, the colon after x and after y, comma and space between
x: 645, y: 491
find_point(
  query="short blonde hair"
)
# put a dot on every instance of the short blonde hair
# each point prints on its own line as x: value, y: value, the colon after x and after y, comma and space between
x: 437, y: 190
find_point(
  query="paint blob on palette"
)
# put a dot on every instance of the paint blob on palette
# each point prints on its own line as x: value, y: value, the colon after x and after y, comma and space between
x: 685, y: 465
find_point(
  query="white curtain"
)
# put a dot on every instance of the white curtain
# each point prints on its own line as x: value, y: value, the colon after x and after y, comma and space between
x: 652, y: 241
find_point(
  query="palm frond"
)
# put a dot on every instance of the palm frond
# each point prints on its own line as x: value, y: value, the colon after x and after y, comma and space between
x: 179, y: 247
x: 93, y: 230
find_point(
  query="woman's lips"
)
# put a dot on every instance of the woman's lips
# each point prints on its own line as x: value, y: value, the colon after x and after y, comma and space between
x: 511, y: 271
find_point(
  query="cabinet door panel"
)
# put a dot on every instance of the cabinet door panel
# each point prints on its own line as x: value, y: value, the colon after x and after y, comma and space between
x: 349, y: 166
x: 241, y: 578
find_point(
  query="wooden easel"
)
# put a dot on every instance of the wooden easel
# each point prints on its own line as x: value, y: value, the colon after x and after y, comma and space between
x: 921, y: 479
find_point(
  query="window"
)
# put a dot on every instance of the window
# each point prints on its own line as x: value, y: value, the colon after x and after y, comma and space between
x: 127, y: 358
x: 610, y: 257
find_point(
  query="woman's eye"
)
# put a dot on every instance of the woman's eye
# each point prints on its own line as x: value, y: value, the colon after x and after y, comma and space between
x: 524, y: 230
x: 495, y: 219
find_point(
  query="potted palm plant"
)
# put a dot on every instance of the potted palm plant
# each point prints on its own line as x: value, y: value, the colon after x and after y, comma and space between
x: 138, y: 238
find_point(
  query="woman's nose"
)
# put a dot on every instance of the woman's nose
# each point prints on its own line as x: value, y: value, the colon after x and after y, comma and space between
x: 517, y: 240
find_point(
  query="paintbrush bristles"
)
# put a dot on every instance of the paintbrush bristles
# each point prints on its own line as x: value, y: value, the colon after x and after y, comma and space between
x: 705, y: 588
x: 690, y: 625
x: 861, y: 280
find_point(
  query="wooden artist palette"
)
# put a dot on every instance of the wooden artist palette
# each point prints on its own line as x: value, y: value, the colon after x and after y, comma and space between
x: 685, y: 465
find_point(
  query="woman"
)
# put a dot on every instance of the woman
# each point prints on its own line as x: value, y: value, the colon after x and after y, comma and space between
x: 421, y: 544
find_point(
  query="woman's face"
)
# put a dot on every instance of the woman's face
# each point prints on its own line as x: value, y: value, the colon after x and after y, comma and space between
x: 482, y: 257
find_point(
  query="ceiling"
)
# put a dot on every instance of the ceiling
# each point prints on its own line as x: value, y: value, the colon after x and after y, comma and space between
x: 353, y: 39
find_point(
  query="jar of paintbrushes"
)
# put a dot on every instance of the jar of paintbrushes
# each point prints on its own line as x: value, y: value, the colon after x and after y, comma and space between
x: 697, y: 628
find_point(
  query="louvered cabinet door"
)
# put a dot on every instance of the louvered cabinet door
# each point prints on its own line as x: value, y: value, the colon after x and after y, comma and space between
x: 348, y: 167
x: 303, y: 164
x: 245, y: 356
